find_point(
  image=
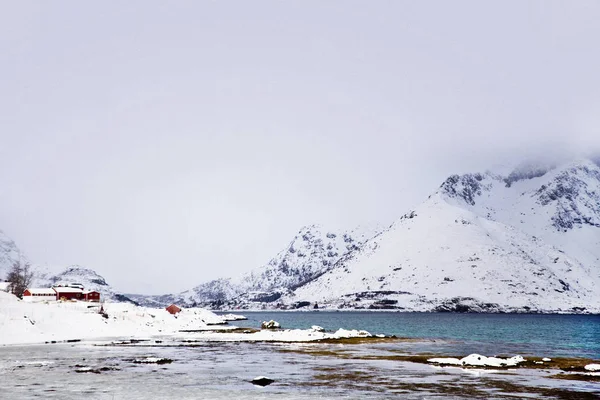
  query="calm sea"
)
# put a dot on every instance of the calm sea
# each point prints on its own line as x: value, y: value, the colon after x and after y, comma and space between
x: 489, y: 334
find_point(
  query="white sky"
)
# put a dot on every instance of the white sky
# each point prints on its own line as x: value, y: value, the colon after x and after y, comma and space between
x: 167, y: 143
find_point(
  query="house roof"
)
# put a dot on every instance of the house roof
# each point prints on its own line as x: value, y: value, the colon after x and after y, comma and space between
x: 64, y: 289
x: 41, y: 291
x: 90, y: 291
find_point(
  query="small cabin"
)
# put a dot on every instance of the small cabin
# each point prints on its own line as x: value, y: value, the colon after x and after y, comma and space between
x: 91, y: 295
x: 42, y: 294
x: 173, y: 309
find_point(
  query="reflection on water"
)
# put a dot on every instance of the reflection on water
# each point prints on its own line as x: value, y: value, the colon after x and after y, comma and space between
x: 223, y: 370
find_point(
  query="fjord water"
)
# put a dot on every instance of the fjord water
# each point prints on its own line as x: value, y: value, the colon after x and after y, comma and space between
x: 548, y: 335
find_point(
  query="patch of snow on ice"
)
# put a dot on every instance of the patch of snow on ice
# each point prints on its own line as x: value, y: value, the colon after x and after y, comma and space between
x: 477, y: 360
x: 233, y: 317
x: 344, y: 333
x: 592, y: 367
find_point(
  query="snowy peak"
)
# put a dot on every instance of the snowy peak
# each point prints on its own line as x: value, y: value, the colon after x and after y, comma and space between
x: 575, y: 193
x: 465, y: 187
x: 569, y: 193
x: 312, y: 252
x: 77, y: 274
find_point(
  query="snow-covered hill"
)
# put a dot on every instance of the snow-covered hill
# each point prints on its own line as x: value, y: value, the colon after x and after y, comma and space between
x: 529, y: 241
x: 43, y: 277
x: 90, y: 281
x: 312, y: 252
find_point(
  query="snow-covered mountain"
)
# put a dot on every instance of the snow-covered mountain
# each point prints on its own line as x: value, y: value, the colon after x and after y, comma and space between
x: 311, y: 253
x: 529, y: 241
x: 525, y: 241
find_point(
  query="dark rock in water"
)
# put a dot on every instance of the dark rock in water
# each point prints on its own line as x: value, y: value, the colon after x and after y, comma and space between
x: 83, y: 370
x: 261, y: 381
x: 152, y: 360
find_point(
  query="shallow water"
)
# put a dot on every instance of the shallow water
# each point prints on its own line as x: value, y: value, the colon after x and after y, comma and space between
x: 527, y: 334
x: 223, y: 370
x: 315, y: 370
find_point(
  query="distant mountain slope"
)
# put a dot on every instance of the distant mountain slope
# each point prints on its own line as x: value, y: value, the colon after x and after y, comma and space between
x: 528, y: 241
x: 312, y: 252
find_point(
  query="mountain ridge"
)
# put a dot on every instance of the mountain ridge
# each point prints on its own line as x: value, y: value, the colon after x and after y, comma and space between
x: 537, y: 224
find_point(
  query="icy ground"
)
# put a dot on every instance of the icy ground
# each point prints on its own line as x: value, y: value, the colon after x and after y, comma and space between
x: 29, y: 323
x: 224, y: 371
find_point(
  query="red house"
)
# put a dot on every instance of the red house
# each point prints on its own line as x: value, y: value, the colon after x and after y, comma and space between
x: 173, y: 309
x: 91, y: 295
x: 68, y: 293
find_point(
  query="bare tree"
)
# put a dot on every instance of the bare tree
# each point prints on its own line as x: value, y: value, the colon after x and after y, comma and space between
x: 19, y: 278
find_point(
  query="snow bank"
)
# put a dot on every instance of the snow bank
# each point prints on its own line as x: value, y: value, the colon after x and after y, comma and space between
x: 29, y: 323
x: 476, y: 360
x: 592, y: 367
x: 233, y: 317
x: 280, y: 335
x: 270, y: 325
x: 343, y: 333
x: 24, y: 323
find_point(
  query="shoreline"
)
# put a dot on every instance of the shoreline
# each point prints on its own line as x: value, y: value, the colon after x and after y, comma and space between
x: 566, y: 367
x: 362, y: 310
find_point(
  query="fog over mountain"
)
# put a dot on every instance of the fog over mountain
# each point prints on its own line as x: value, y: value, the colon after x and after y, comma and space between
x: 165, y: 145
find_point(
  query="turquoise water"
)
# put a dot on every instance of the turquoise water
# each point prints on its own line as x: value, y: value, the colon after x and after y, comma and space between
x: 456, y: 334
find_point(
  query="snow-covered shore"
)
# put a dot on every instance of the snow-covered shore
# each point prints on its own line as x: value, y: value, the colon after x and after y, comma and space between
x: 32, y: 323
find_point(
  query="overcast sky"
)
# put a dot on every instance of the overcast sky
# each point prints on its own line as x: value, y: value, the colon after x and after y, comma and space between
x: 165, y: 143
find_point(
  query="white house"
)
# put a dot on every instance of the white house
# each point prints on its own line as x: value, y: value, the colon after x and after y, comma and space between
x: 42, y: 294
